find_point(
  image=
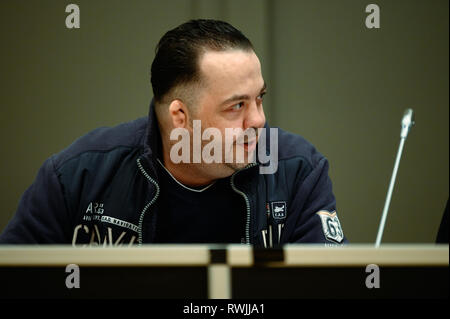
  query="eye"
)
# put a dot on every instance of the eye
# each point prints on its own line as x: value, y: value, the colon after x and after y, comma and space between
x: 238, y: 106
x: 261, y: 96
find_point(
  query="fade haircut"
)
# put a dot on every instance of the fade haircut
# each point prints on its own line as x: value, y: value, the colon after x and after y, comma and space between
x: 176, y: 63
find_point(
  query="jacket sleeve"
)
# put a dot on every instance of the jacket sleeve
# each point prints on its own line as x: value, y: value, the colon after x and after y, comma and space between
x: 41, y: 217
x: 313, y: 208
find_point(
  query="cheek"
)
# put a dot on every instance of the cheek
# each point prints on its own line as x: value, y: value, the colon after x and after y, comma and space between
x: 219, y: 122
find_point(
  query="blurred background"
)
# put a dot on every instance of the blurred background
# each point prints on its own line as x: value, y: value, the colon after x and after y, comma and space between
x: 342, y: 86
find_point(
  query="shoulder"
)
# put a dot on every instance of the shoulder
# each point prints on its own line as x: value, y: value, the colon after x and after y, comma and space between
x: 124, y: 136
x: 295, y: 160
x: 293, y: 147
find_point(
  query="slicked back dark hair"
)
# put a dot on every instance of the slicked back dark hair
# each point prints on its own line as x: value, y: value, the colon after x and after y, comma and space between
x: 178, y: 51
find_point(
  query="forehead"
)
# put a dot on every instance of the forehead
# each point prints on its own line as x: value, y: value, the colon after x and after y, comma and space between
x: 231, y: 71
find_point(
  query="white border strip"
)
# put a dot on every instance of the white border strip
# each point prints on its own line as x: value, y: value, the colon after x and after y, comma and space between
x: 237, y: 255
x: 362, y: 255
x: 154, y: 255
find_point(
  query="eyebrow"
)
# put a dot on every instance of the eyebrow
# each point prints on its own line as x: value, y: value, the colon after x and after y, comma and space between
x: 241, y: 97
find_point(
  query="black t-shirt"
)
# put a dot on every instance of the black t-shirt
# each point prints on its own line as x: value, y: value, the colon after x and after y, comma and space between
x: 209, y: 214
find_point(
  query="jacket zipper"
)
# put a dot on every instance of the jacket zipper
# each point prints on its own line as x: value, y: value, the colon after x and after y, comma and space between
x: 141, y: 217
x: 247, y: 202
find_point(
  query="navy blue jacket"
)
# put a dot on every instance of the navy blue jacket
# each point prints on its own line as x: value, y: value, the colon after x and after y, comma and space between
x: 102, y: 190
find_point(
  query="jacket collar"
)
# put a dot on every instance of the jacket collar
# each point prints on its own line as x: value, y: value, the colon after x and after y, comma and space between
x: 152, y: 139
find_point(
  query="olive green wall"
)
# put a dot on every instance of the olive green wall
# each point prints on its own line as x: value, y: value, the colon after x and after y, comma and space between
x: 342, y: 86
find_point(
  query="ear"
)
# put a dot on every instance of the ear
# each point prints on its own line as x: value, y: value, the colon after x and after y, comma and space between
x: 178, y: 114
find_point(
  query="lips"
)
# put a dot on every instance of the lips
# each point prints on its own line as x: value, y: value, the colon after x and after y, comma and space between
x: 250, y: 146
x: 248, y: 140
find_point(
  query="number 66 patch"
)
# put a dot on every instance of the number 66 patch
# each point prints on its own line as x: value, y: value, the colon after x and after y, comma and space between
x: 331, y: 226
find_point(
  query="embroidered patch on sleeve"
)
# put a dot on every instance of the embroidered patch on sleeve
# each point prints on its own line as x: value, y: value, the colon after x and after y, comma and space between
x: 331, y: 226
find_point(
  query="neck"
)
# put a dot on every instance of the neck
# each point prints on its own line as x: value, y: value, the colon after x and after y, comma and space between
x: 189, y: 174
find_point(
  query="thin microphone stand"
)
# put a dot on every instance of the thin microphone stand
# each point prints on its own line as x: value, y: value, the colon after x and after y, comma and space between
x: 407, y: 122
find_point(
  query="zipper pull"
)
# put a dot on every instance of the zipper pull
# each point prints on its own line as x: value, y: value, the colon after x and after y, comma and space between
x: 280, y: 227
x: 264, y: 234
x: 270, y: 237
x: 269, y: 224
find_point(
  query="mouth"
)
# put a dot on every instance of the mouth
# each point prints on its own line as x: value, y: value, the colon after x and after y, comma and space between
x: 248, y: 141
x: 250, y: 146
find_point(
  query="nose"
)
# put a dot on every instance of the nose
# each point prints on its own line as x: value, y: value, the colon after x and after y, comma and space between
x: 254, y: 117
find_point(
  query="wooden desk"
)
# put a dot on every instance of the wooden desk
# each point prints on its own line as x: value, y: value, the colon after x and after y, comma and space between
x: 231, y: 271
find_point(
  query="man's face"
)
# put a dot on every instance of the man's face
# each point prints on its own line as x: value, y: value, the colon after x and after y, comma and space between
x: 231, y: 98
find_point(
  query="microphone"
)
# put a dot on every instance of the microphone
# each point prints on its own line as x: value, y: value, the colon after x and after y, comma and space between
x: 407, y: 123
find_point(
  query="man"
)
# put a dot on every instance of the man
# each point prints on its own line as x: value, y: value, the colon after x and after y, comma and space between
x: 130, y: 185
